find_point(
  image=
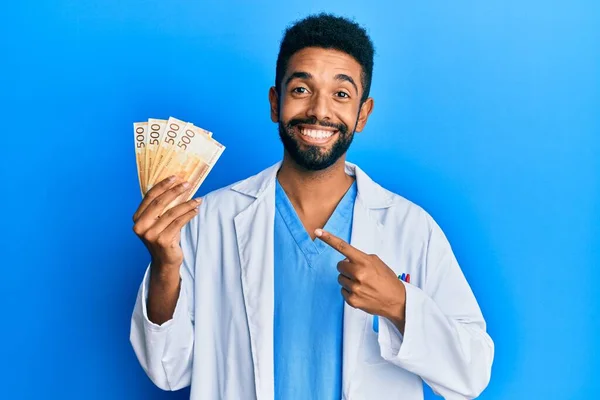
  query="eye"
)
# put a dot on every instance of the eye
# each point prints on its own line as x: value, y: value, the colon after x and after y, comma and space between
x: 343, y: 95
x: 300, y: 90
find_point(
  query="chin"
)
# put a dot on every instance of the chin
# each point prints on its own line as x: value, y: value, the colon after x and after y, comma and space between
x: 309, y: 160
x: 314, y: 157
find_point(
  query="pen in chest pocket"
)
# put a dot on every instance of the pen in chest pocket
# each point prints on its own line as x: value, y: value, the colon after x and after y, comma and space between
x: 404, y: 277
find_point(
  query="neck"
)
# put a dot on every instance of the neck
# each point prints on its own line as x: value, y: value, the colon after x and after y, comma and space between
x: 310, y: 189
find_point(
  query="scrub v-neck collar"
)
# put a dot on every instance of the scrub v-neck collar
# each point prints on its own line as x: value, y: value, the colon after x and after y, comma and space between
x: 335, y: 224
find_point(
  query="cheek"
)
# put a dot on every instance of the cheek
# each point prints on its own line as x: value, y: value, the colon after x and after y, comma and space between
x: 349, y: 119
x: 348, y: 114
x: 292, y: 108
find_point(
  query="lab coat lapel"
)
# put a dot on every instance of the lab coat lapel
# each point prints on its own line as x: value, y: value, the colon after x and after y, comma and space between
x: 254, y: 229
x: 366, y: 236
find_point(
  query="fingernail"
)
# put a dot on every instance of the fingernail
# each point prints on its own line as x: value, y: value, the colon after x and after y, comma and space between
x: 319, y: 232
x: 198, y: 200
x: 186, y: 185
x: 171, y: 178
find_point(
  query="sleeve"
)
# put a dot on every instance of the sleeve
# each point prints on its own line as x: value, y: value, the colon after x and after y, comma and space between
x: 165, y: 351
x: 445, y: 340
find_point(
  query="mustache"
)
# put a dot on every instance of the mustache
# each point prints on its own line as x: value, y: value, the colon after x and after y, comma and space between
x: 313, y: 121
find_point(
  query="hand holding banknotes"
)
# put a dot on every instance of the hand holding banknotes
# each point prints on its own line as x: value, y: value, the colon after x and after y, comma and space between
x: 173, y: 159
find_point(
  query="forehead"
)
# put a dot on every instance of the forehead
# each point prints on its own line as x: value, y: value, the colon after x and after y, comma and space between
x: 324, y: 63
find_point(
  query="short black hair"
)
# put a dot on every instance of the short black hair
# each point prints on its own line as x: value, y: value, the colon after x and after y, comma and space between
x: 328, y: 32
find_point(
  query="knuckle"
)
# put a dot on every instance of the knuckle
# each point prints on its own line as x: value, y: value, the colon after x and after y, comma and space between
x: 137, y: 230
x: 179, y: 220
x: 157, y: 202
x: 360, y: 275
x: 162, y: 241
x: 168, y: 214
x: 150, y: 236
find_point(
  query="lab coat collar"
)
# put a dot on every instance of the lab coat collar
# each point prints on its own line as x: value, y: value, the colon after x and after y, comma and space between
x: 372, y: 195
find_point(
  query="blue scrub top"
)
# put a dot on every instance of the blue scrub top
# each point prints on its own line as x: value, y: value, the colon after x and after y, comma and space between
x: 309, y: 307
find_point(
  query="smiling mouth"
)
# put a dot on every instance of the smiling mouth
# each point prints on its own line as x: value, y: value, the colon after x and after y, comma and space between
x: 315, y: 135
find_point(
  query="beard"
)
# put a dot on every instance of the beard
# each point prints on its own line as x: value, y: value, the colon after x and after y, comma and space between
x: 312, y: 158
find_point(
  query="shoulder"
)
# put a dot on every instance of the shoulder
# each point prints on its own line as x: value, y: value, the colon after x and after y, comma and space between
x: 394, y: 211
x: 410, y: 213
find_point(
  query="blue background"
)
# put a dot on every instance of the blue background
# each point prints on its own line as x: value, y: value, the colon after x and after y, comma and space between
x: 486, y: 114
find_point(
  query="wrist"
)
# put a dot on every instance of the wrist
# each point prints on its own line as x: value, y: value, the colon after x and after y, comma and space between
x: 164, y: 274
x: 396, y: 315
x: 396, y: 311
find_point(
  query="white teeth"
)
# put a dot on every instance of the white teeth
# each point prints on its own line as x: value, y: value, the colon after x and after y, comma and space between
x: 316, y: 134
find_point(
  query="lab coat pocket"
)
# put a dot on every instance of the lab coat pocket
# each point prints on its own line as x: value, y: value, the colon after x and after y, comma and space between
x: 370, y: 353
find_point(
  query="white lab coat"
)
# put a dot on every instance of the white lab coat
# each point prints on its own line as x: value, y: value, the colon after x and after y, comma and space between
x: 220, y: 339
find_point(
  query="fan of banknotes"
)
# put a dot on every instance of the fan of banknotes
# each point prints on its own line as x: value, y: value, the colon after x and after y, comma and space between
x: 173, y: 147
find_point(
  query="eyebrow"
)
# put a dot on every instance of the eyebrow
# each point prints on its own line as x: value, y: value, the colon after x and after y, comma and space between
x: 298, y: 75
x: 347, y: 78
x: 308, y: 76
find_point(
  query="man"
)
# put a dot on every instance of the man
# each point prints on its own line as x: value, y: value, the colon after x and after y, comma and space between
x: 285, y: 285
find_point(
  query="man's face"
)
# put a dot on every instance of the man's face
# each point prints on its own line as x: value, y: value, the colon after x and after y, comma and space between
x: 319, y: 108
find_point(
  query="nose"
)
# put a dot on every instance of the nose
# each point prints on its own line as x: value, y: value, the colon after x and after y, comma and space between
x: 319, y: 108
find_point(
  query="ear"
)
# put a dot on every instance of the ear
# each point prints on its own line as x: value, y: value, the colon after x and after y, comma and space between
x: 365, y: 110
x: 274, y: 100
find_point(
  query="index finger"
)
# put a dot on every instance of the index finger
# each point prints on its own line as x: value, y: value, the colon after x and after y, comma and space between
x: 340, y: 245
